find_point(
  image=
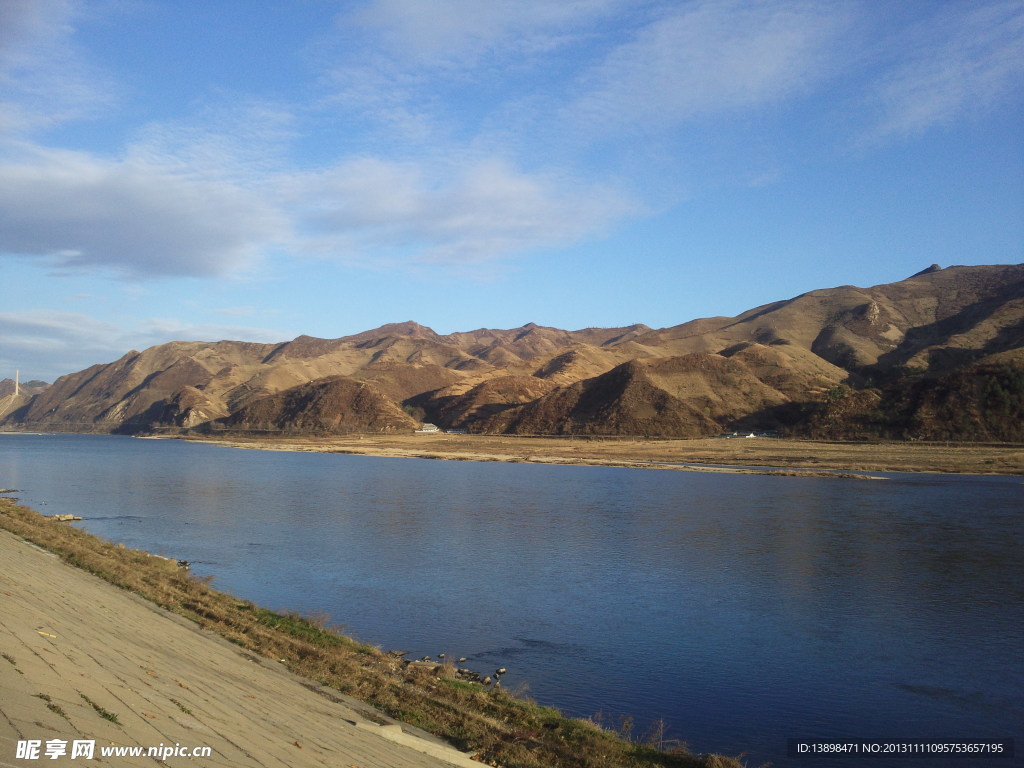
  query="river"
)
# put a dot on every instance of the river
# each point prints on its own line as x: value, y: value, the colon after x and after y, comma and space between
x: 744, y: 610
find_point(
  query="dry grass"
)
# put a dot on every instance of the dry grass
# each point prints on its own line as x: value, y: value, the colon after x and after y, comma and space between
x: 813, y: 455
x: 499, y: 727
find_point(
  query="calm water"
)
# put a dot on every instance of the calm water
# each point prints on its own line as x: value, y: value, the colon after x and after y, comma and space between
x: 744, y: 610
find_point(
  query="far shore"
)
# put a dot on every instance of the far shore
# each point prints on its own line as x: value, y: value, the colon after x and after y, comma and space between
x: 759, y: 455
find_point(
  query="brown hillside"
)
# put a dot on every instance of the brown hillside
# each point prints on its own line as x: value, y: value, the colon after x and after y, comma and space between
x: 689, y: 396
x: 490, y: 397
x: 27, y: 388
x: 584, y: 361
x: 10, y: 402
x: 777, y: 364
x: 128, y: 392
x: 337, y: 405
x: 889, y: 324
x: 795, y: 372
x: 983, y: 402
x: 400, y: 382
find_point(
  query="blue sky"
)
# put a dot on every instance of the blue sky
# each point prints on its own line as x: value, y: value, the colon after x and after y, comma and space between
x: 257, y: 169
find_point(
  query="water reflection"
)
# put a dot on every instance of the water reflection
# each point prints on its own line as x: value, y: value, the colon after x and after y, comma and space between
x: 743, y: 609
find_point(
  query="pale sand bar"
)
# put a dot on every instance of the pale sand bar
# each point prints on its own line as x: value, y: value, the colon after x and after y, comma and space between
x: 65, y: 633
x: 804, y: 457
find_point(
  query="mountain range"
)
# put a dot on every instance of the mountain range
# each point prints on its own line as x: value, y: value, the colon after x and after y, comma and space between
x: 939, y: 355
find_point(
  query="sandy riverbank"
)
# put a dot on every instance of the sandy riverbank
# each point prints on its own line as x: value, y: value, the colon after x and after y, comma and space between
x: 803, y: 457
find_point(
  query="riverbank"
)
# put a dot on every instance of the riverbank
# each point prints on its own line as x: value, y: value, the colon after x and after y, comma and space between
x: 739, y: 455
x: 167, y: 660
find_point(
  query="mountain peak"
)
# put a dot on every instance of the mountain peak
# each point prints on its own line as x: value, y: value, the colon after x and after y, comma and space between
x: 928, y: 270
x: 408, y: 328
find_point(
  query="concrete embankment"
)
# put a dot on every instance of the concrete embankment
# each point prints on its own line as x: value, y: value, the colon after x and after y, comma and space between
x: 83, y: 660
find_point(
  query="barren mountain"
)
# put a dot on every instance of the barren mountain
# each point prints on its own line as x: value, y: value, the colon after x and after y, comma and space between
x: 454, y: 407
x: 686, y: 396
x: 335, y: 405
x: 7, y: 387
x: 14, y: 395
x: 902, y: 359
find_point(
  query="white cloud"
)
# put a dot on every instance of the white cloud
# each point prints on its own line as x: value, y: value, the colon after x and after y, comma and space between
x: 43, y: 76
x: 51, y: 328
x: 707, y: 57
x: 243, y: 140
x: 76, y: 210
x: 46, y: 344
x: 147, y: 216
x: 181, y: 199
x: 484, y: 210
x: 31, y: 31
x: 418, y: 72
x: 461, y: 32
x: 966, y: 57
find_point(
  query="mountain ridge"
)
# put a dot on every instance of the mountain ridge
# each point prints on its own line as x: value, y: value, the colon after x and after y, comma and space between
x: 786, y: 365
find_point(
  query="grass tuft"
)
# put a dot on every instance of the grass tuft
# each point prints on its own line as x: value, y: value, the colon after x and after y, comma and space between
x: 55, y: 708
x: 105, y: 714
x: 181, y: 706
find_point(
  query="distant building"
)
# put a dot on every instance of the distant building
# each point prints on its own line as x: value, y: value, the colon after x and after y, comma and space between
x: 427, y: 429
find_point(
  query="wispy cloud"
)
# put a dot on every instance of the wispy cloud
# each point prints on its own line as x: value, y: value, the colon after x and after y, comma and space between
x: 963, y: 58
x: 482, y: 210
x: 415, y: 72
x: 243, y: 140
x: 708, y: 57
x: 153, y: 215
x: 462, y: 33
x: 76, y: 210
x: 44, y: 77
x: 45, y: 328
x: 48, y: 344
x: 457, y: 178
x: 213, y: 193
